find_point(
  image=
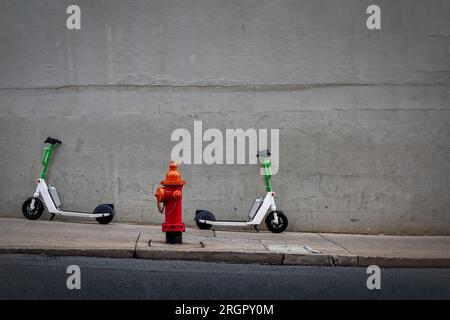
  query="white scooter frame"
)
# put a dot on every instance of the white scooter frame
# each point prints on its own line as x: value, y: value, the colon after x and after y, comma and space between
x: 32, y: 208
x: 276, y: 221
x: 256, y: 220
x: 54, y: 208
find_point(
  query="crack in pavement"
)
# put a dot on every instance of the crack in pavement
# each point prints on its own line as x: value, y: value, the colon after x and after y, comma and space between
x: 135, y: 245
x: 334, y: 242
x: 264, y: 245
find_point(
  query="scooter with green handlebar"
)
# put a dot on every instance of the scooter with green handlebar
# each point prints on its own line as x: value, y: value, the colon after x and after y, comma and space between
x: 275, y: 219
x: 33, y: 207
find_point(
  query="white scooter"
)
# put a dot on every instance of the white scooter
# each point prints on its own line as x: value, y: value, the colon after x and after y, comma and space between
x: 33, y: 207
x: 276, y: 221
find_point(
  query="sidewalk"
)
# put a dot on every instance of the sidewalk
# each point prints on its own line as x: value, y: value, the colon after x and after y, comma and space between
x: 288, y: 248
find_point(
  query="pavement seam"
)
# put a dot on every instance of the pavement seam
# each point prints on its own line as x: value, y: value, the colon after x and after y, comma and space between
x: 263, y: 245
x: 334, y: 242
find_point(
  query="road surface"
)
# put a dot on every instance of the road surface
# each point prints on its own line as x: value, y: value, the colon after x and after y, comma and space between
x: 41, y: 277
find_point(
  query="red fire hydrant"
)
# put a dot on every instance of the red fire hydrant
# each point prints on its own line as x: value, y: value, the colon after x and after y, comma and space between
x: 169, y: 201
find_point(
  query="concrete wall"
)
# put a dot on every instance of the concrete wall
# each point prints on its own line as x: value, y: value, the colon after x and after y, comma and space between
x: 364, y: 116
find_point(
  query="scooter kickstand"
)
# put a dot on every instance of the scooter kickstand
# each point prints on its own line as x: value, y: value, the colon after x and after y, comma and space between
x: 256, y: 228
x: 51, y: 217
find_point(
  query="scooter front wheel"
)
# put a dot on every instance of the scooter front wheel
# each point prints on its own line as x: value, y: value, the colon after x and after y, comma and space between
x: 277, y: 227
x: 204, y: 215
x: 36, y: 212
x: 104, y: 208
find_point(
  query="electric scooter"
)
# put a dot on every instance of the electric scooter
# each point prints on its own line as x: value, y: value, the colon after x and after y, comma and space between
x: 276, y: 221
x: 33, y: 207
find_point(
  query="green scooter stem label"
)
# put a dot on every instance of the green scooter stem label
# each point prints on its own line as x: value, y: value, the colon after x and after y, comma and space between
x: 46, y: 154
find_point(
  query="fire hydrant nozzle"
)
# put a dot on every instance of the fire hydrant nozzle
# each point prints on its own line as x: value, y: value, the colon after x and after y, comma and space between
x: 177, y: 194
x: 170, y: 196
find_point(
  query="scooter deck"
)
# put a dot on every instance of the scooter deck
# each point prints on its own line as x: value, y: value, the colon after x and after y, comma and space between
x: 73, y: 211
x: 81, y: 214
x: 225, y: 223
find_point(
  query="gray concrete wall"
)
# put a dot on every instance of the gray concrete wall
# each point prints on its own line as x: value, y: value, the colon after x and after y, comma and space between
x: 364, y: 116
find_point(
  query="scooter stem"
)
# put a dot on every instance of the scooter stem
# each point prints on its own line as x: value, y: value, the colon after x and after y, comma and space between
x: 267, y: 174
x: 46, y: 154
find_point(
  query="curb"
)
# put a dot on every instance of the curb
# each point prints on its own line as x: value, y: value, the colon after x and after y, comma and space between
x: 100, y: 253
x: 404, y: 262
x: 213, y: 256
x: 243, y: 257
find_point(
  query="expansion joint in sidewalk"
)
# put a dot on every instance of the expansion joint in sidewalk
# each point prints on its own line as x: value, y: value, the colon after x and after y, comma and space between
x: 265, y: 247
x: 334, y: 242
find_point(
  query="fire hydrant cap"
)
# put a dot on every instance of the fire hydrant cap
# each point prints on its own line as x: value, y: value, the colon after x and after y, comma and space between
x: 160, y: 194
x: 173, y: 177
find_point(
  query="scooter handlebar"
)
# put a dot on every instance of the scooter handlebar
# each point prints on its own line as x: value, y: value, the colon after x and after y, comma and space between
x: 264, y: 153
x: 52, y: 141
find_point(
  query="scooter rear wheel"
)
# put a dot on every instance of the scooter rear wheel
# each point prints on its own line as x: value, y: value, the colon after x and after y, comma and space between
x: 103, y: 208
x: 277, y: 227
x: 36, y: 212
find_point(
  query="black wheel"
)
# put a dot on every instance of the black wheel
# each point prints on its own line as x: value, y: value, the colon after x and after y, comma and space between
x: 104, y: 208
x: 276, y: 227
x: 204, y: 215
x: 36, y: 212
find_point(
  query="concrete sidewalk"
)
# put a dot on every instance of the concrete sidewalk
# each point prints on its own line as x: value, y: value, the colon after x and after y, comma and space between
x: 289, y: 248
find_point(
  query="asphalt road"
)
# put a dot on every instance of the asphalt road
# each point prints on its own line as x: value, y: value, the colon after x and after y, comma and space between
x: 40, y: 277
